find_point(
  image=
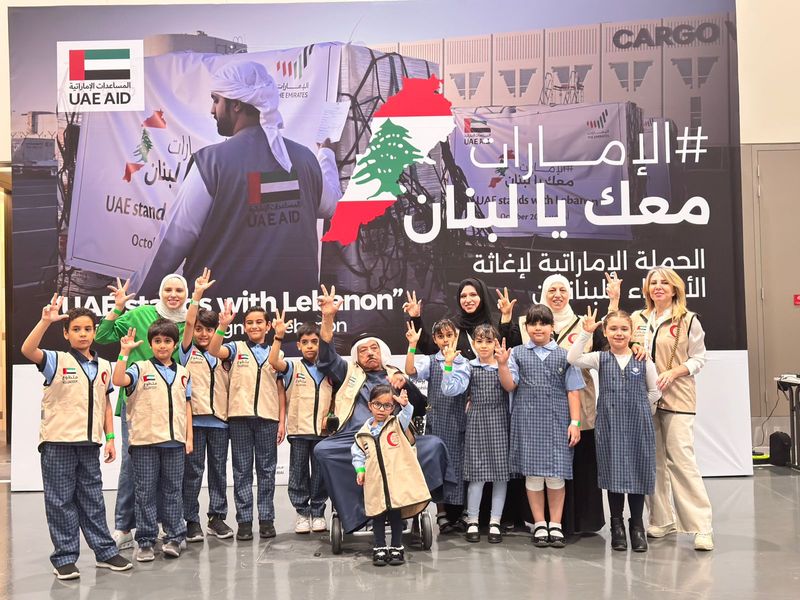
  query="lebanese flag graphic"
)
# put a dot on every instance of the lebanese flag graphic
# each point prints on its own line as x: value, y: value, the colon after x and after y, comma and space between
x: 404, y: 130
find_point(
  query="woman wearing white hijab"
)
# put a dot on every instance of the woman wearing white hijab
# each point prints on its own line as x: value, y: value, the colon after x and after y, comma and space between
x: 171, y: 305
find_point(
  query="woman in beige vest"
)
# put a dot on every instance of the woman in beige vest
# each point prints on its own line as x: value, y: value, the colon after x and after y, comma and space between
x: 675, y: 340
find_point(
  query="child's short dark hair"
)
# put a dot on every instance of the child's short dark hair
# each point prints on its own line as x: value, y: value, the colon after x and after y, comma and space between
x: 208, y: 318
x: 539, y: 313
x: 76, y: 313
x: 163, y: 327
x: 442, y: 325
x: 308, y: 328
x: 259, y: 309
x: 380, y: 390
x: 485, y: 331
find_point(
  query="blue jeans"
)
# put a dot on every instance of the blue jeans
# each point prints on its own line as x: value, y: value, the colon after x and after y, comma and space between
x: 124, y: 516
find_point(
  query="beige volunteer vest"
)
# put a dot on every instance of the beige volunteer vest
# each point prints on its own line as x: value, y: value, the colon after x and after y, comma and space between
x: 393, y: 479
x: 307, y: 403
x: 209, y: 386
x: 680, y: 396
x: 73, y: 406
x: 253, y: 390
x: 156, y: 412
x: 588, y: 395
x: 348, y: 392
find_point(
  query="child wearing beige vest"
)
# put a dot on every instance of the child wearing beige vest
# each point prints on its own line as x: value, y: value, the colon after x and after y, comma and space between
x: 386, y: 465
x: 159, y: 413
x: 76, y: 420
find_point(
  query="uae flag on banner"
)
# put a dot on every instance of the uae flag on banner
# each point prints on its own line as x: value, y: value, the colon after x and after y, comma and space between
x: 279, y: 186
x: 113, y: 63
x: 404, y: 130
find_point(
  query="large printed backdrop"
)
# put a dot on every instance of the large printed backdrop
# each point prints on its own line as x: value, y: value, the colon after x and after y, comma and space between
x: 577, y: 149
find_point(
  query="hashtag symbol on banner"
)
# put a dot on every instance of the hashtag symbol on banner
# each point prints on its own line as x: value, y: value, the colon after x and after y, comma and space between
x: 686, y: 149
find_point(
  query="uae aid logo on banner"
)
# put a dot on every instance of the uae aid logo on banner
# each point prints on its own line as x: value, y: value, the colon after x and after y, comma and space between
x: 99, y: 76
x: 405, y: 129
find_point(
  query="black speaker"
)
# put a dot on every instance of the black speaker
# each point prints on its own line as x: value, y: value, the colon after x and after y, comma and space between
x: 779, y: 448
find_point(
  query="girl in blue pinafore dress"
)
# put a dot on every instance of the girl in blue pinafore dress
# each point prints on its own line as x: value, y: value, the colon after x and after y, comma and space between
x: 545, y: 420
x: 625, y: 438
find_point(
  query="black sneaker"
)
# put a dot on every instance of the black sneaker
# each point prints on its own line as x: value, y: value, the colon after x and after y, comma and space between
x: 245, y: 532
x: 218, y: 527
x: 171, y: 549
x: 194, y: 533
x: 115, y: 563
x: 397, y: 556
x: 380, y: 556
x: 266, y: 529
x: 68, y: 571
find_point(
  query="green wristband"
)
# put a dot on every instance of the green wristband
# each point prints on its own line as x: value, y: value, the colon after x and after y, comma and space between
x: 123, y: 358
x: 361, y: 470
x: 575, y: 423
x: 448, y: 368
x: 117, y: 311
x: 220, y: 332
x: 110, y: 436
x: 412, y: 350
x: 193, y: 301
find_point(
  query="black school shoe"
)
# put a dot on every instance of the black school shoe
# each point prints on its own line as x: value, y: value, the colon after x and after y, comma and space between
x: 194, y: 533
x: 618, y: 540
x: 542, y: 541
x: 397, y: 556
x: 68, y: 571
x: 115, y: 563
x: 638, y: 537
x: 218, y: 527
x: 245, y: 532
x: 495, y: 534
x: 557, y: 541
x: 266, y: 529
x: 473, y: 533
x: 380, y: 557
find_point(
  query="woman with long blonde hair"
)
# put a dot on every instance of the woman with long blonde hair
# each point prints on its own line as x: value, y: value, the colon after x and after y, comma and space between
x: 674, y: 338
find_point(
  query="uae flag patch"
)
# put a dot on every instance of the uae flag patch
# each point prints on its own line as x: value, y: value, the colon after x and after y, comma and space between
x: 68, y: 371
x: 103, y: 64
x: 279, y: 186
x: 149, y: 378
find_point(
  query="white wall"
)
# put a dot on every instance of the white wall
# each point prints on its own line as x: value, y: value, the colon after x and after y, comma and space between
x: 768, y: 85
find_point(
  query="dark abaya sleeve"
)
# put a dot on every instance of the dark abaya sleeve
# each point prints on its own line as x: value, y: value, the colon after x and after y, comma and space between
x: 426, y: 345
x: 510, y: 331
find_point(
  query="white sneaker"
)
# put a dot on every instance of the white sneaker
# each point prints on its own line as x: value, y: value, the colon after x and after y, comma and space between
x: 162, y: 534
x: 123, y: 540
x: 318, y: 524
x: 703, y: 541
x: 146, y: 554
x: 659, y: 531
x: 302, y: 524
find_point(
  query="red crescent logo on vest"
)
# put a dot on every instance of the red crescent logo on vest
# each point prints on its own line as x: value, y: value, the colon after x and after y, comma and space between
x: 673, y: 330
x: 392, y: 440
x: 183, y: 380
x: 572, y: 337
x: 104, y: 377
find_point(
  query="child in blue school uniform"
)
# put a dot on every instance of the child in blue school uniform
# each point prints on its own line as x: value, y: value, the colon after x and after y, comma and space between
x: 76, y: 420
x: 486, y: 440
x: 447, y: 374
x: 256, y: 418
x: 545, y: 420
x: 209, y: 419
x: 309, y: 400
x: 159, y: 413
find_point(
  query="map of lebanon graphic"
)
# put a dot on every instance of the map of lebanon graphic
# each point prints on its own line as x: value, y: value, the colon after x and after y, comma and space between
x: 405, y: 129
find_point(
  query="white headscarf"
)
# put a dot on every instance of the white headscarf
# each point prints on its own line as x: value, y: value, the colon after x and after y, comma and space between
x: 565, y: 316
x: 249, y: 82
x: 386, y: 354
x: 176, y: 315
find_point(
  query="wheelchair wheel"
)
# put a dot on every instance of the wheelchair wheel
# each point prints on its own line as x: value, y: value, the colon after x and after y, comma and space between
x: 336, y: 534
x: 426, y: 528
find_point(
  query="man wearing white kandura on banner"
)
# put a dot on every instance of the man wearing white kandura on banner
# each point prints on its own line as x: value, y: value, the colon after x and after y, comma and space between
x: 248, y: 207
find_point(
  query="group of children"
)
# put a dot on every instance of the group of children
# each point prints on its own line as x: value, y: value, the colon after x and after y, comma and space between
x: 179, y: 414
x: 509, y: 412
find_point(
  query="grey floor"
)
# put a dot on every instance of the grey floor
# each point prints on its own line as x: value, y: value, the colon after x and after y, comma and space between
x: 757, y: 533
